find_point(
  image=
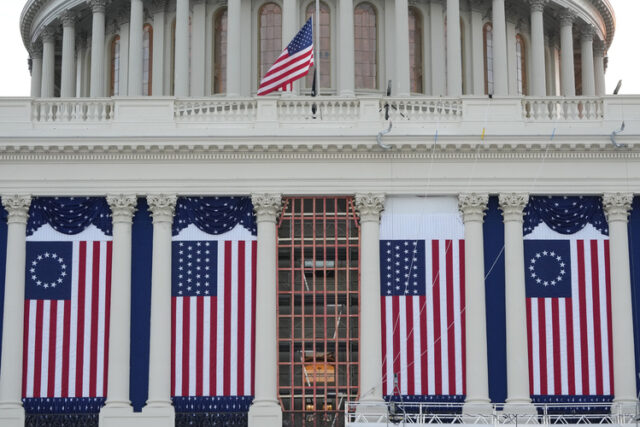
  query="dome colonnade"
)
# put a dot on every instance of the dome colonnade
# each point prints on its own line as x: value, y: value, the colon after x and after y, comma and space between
x: 179, y: 48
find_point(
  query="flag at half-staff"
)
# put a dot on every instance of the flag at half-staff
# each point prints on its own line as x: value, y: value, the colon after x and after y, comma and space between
x: 293, y: 63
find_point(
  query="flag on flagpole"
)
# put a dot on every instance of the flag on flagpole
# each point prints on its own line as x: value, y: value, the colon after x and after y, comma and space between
x: 293, y: 63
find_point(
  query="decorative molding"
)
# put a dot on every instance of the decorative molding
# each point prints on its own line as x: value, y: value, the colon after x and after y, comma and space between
x: 567, y: 17
x: 17, y: 206
x: 587, y: 32
x: 162, y: 207
x: 68, y: 18
x: 48, y: 35
x: 512, y: 205
x: 123, y: 206
x: 473, y: 206
x: 267, y: 206
x: 98, y: 6
x: 537, y: 5
x: 369, y: 206
x: 617, y: 206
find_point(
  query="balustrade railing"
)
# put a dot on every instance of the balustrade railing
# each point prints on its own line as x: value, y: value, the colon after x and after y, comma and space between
x: 357, y: 413
x: 562, y: 109
x: 326, y: 109
x: 215, y: 110
x: 72, y: 110
x: 423, y: 109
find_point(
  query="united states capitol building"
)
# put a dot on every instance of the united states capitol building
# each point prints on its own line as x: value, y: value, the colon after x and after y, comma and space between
x: 447, y: 233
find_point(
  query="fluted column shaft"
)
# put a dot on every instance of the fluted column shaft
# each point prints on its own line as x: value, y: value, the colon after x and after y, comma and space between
x: 157, y: 84
x: 500, y: 73
x: 97, y: 49
x: 512, y: 205
x: 346, y: 55
x: 538, y: 77
x: 265, y: 409
x: 162, y: 208
x: 567, y: 73
x: 198, y: 52
x: 68, y: 76
x: 402, y: 74
x: 617, y: 207
x: 454, y: 49
x: 181, y: 73
x: 473, y: 207
x: 369, y: 207
x: 438, y: 73
x: 122, y: 208
x: 135, y: 48
x: 586, y: 48
x: 17, y: 207
x: 36, y: 72
x: 48, y: 63
x: 477, y: 54
x: 598, y: 64
x: 234, y: 36
x: 289, y: 30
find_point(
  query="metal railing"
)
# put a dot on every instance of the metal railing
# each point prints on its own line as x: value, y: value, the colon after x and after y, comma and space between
x: 357, y: 413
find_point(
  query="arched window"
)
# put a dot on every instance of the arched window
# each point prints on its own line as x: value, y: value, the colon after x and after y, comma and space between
x: 521, y: 63
x: 147, y: 59
x: 220, y: 51
x: 366, y: 46
x: 487, y: 32
x: 114, y: 88
x: 325, y: 43
x: 269, y: 37
x: 415, y: 49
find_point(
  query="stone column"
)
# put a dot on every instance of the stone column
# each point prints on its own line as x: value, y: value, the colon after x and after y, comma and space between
x: 265, y: 411
x: 234, y: 36
x: 68, y: 77
x: 181, y: 73
x: 402, y: 81
x: 567, y: 76
x: 473, y: 207
x: 598, y: 65
x: 48, y: 62
x: 136, y: 25
x: 36, y: 70
x: 162, y: 207
x: 617, y: 207
x: 586, y: 48
x: 97, y: 49
x: 500, y: 73
x: 369, y: 207
x: 123, y: 17
x: 122, y: 207
x: 477, y: 47
x: 289, y: 30
x: 198, y: 54
x: 438, y: 73
x: 157, y: 83
x: 454, y: 49
x: 346, y: 55
x: 11, y: 410
x: 518, y: 398
x: 538, y: 74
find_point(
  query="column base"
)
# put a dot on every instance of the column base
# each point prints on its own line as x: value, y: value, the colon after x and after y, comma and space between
x: 478, y: 412
x: 265, y: 413
x: 521, y: 411
x: 157, y: 415
x: 11, y: 415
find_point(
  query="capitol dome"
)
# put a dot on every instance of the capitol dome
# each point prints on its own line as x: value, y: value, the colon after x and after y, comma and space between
x: 436, y: 224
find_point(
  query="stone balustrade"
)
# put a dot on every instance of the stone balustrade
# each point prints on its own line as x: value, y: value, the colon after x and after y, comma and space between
x: 562, y: 109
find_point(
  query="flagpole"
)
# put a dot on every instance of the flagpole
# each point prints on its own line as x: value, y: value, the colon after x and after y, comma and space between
x: 317, y: 57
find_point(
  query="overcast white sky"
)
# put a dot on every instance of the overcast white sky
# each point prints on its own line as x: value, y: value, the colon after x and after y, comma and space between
x: 624, y: 59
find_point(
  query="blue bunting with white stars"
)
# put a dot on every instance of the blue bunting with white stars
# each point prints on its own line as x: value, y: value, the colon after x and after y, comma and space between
x: 69, y: 215
x: 564, y: 214
x: 212, y: 403
x: 214, y: 215
x: 63, y: 405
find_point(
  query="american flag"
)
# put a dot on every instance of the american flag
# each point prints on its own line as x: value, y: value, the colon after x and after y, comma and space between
x: 423, y: 330
x: 569, y: 317
x: 213, y: 321
x: 292, y: 64
x: 66, y: 318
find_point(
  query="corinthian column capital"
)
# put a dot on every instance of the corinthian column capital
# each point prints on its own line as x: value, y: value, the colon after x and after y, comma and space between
x: 369, y: 206
x: 267, y: 206
x: 17, y: 206
x: 537, y: 5
x: 162, y: 206
x: 98, y: 6
x: 567, y: 18
x: 473, y: 206
x: 68, y: 18
x: 617, y: 206
x: 123, y: 206
x: 512, y: 205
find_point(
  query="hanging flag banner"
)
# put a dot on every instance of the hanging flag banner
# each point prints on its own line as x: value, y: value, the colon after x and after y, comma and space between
x: 568, y: 288
x: 67, y: 305
x: 213, y: 304
x: 422, y: 299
